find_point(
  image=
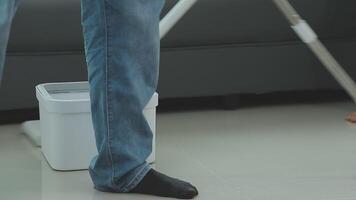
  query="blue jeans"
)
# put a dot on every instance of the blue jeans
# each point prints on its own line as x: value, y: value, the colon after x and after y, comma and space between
x: 122, y: 53
x: 7, y: 11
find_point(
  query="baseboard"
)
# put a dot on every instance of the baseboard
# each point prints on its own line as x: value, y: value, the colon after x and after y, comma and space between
x: 205, y: 103
x: 19, y: 115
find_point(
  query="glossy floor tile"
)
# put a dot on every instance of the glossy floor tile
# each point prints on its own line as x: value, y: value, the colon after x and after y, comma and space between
x: 294, y: 152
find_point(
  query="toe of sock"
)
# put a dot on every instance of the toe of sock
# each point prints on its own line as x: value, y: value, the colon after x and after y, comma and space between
x: 190, y: 192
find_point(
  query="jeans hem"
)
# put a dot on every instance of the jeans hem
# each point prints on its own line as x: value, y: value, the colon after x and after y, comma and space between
x: 137, y: 179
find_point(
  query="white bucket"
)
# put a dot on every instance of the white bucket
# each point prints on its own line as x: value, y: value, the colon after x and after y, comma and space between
x: 67, y: 133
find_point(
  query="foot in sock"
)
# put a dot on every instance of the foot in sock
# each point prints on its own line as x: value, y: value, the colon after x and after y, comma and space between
x: 351, y: 117
x: 158, y: 184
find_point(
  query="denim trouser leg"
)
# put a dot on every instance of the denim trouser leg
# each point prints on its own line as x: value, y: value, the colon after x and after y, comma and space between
x: 7, y: 11
x: 122, y: 51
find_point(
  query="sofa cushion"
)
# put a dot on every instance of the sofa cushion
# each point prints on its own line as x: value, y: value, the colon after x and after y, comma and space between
x: 52, y: 25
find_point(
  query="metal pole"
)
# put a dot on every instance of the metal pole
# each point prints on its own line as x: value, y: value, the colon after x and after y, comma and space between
x: 309, y: 37
x: 174, y: 15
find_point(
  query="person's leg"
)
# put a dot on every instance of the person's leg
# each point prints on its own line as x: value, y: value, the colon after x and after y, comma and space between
x: 7, y: 12
x: 122, y: 51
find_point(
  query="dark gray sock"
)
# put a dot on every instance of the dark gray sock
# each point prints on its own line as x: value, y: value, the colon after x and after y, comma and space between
x: 158, y: 184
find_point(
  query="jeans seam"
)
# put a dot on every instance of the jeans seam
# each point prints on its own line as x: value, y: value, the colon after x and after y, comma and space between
x: 107, y: 92
x: 137, y: 178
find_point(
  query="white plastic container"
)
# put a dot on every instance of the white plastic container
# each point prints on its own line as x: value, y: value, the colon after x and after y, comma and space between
x: 67, y: 133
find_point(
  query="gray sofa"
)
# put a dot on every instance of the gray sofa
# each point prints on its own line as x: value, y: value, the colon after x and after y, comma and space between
x: 221, y: 47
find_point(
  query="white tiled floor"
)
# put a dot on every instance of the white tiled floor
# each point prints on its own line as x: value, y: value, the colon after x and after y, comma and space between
x: 292, y: 152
